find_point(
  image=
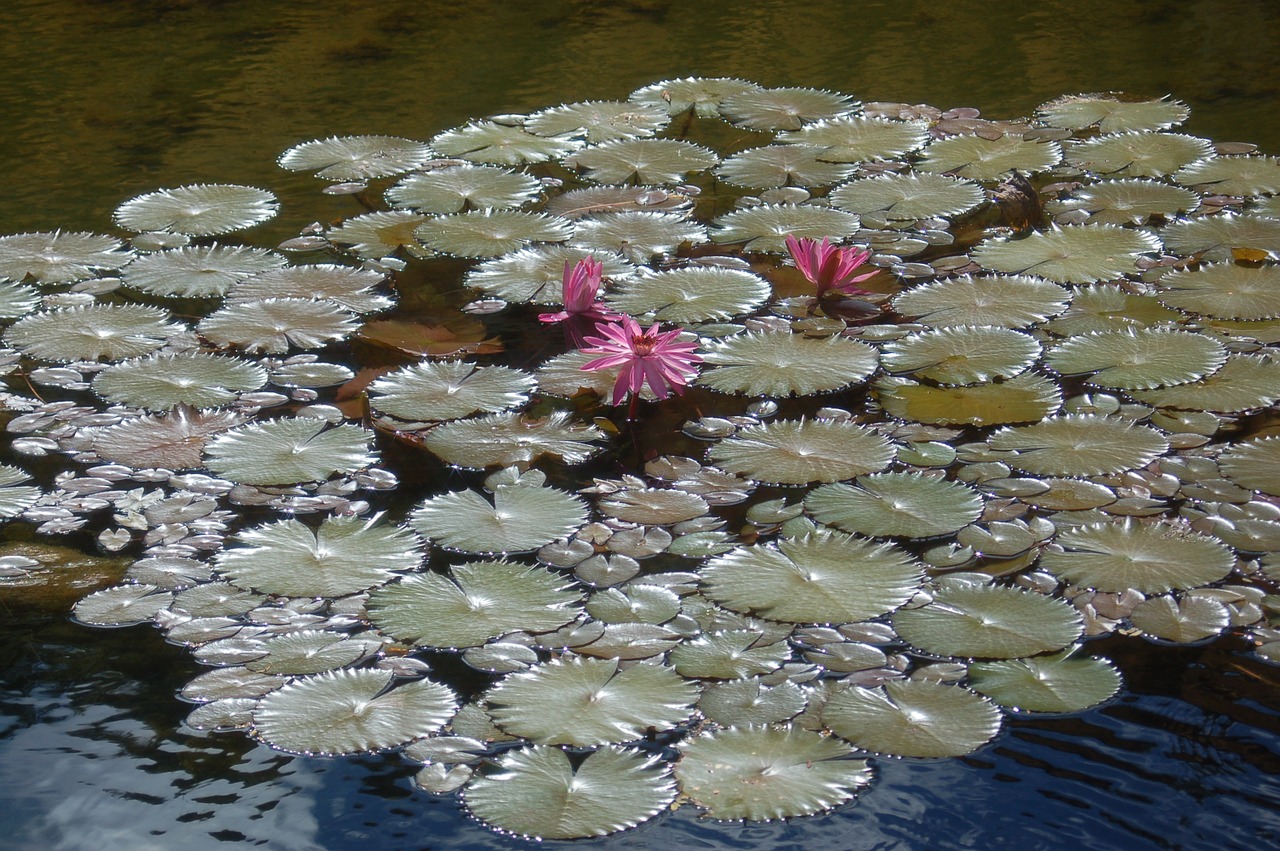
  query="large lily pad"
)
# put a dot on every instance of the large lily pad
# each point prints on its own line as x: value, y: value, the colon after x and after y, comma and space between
x: 59, y: 257
x: 275, y: 324
x: 1244, y: 382
x: 356, y: 157
x: 1078, y: 445
x: 162, y: 382
x: 1062, y: 682
x: 1254, y: 464
x: 1138, y: 359
x: 286, y: 451
x: 1151, y: 558
x: 506, y: 439
x: 1075, y: 254
x: 1233, y: 175
x: 489, y: 232
x: 796, y: 452
x: 200, y: 210
x: 1138, y: 153
x: 536, y: 274
x: 859, y: 139
x: 522, y: 517
x: 962, y: 355
x: 896, y: 504
x: 501, y: 144
x: 1224, y: 291
x: 775, y: 363
x: 1004, y: 301
x: 200, y: 271
x: 781, y: 165
x: 462, y: 187
x: 92, y: 332
x: 764, y: 229
x: 977, y: 158
x: 989, y: 622
x: 598, y: 121
x: 1111, y: 114
x: 694, y: 294
x: 447, y: 390
x: 701, y: 94
x: 647, y: 161
x: 912, y: 718
x: 907, y: 197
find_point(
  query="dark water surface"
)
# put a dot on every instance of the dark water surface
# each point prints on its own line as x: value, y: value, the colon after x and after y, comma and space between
x: 104, y: 100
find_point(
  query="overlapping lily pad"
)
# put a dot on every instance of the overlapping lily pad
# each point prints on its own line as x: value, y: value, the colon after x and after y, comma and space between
x: 1024, y: 398
x: 456, y: 188
x: 501, y: 144
x: 989, y: 622
x: 694, y: 294
x: 598, y: 121
x: 1111, y: 114
x: 1254, y: 464
x: 1075, y: 254
x: 1149, y: 557
x: 896, y: 504
x: 1138, y: 153
x: 859, y: 139
x: 489, y: 233
x: 1233, y: 175
x: 781, y: 165
x: 507, y: 439
x: 161, y: 382
x: 701, y: 94
x: 1244, y: 382
x: 535, y: 274
x: 778, y: 364
x: 796, y: 452
x: 764, y: 229
x: 1132, y: 201
x: 347, y: 287
x: 92, y: 332
x: 912, y: 718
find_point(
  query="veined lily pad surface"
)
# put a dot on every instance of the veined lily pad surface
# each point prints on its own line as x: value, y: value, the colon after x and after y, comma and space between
x: 824, y: 503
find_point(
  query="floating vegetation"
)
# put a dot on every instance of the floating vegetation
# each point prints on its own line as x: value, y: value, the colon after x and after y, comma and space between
x: 876, y: 520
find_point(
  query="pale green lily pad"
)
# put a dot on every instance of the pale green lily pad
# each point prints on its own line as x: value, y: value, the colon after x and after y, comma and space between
x: 172, y: 441
x: 1254, y: 464
x: 199, y: 210
x: 779, y: 363
x: 646, y: 161
x: 796, y: 452
x: 311, y: 374
x: 1003, y: 301
x: 1110, y: 114
x: 1075, y: 254
x: 1138, y: 153
x: 275, y: 324
x: 507, y: 439
x: 728, y: 655
x: 1233, y: 175
x: 356, y: 157
x: 761, y: 773
x: 351, y: 711
x: 587, y: 702
x: 121, y: 605
x: 825, y: 577
x: 1152, y: 558
x: 1215, y: 237
x: 201, y: 271
x: 1244, y: 383
x: 1024, y: 398
x: 1183, y: 621
x: 781, y: 165
x: 463, y: 187
x: 637, y: 236
x: 165, y: 381
x: 563, y: 375
x: 521, y: 517
x: 1062, y: 682
x: 633, y: 603
x: 1138, y: 359
x: 912, y: 718
x: 287, y: 451
x: 447, y: 390
x: 690, y: 295
x: 907, y: 197
x: 593, y: 200
x: 474, y: 603
x: 701, y: 94
x: 962, y: 355
x: 17, y: 300
x: 739, y: 703
x: 859, y: 139
x: 92, y: 332
x: 764, y: 229
x: 489, y: 233
x: 1132, y: 201
x: 1104, y: 307
x: 630, y: 641
x: 501, y: 144
x: 1224, y: 291
x: 536, y: 274
x: 784, y: 108
x: 598, y: 121
x: 653, y: 505
x: 537, y: 793
x: 60, y: 258
x: 311, y: 651
x: 347, y: 287
x: 989, y: 622
x: 379, y: 234
x: 344, y: 555
x: 898, y: 504
x: 1078, y: 445
x: 976, y: 158
x: 15, y: 497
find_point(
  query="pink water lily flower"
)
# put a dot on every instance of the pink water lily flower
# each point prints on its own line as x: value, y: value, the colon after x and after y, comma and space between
x: 645, y: 355
x: 829, y: 267
x: 580, y: 294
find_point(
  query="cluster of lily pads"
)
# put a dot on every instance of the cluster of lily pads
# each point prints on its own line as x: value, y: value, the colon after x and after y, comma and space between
x: 876, y: 523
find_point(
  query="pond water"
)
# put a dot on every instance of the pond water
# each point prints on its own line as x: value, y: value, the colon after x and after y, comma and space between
x: 105, y: 101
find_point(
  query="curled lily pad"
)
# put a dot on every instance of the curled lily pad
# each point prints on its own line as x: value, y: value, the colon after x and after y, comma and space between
x: 286, y: 451
x: 536, y: 274
x: 695, y: 294
x: 859, y: 139
x: 1224, y: 291
x: 781, y: 165
x: 173, y: 441
x: 1240, y: 175
x: 637, y: 236
x: 1004, y: 301
x: 275, y: 324
x: 764, y: 229
x: 586, y: 702
x: 1254, y: 464
x: 1151, y: 558
x: 962, y: 355
x: 1138, y: 359
x: 1133, y: 201
x: 989, y: 622
x: 379, y: 234
x: 1244, y: 382
x: 907, y: 197
x: 507, y: 439
x: 905, y: 504
x: 92, y: 332
x: 446, y: 390
x: 1078, y: 445
x: 58, y: 257
x: 17, y: 300
x: 351, y: 711
x: 356, y: 157
x: 784, y: 108
x: 537, y: 792
x: 501, y: 144
x: 701, y: 94
x: 1214, y: 238
x: 769, y: 772
x: 199, y: 210
x: 347, y: 287
x: 1187, y: 620
x: 912, y: 718
x: 1062, y: 682
x: 825, y: 577
x: 1110, y: 114
x: 522, y: 517
x: 778, y: 364
x: 1137, y: 153
x: 489, y: 233
x: 198, y: 271
x: 646, y: 161
x: 1076, y: 254
x: 462, y: 187
x: 474, y: 603
x: 976, y: 158
x: 344, y: 555
x: 1024, y: 398
x: 162, y: 382
x: 797, y: 452
x: 598, y: 121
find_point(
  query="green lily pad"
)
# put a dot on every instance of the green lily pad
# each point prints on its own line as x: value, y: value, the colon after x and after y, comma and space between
x: 598, y: 121
x: 989, y: 622
x: 1183, y: 621
x: 17, y: 300
x: 275, y: 324
x: 775, y: 363
x: 962, y: 355
x: 645, y: 161
x: 536, y: 274
x: 1075, y: 254
x: 1214, y: 238
x: 501, y: 144
x: 379, y: 234
x: 356, y: 157
x: 287, y: 451
x: 1110, y: 114
x: 740, y: 703
x: 1104, y: 307
x: 764, y: 229
x: 781, y: 165
x: 202, y: 271
x: 690, y: 295
x: 912, y: 718
x: 1138, y: 359
x: 1244, y: 383
x: 311, y: 651
x: 1062, y: 682
x: 1138, y: 153
x: 897, y: 504
x: 463, y: 187
x: 859, y: 139
x: 199, y: 210
x: 507, y: 439
x: 784, y: 108
x: 701, y: 94
x: 1003, y: 301
x: 1254, y: 464
x: 173, y: 441
x: 522, y: 517
x: 163, y: 382
x: 121, y: 605
x: 1233, y: 175
x: 488, y: 232
x: 447, y: 390
x: 638, y: 236
x: 91, y: 332
x: 16, y: 497
x: 728, y: 655
x: 1078, y: 445
x: 1152, y: 558
x: 796, y: 452
x: 1224, y: 291
x: 1133, y: 201
x: 907, y: 197
x: 59, y: 257
x: 976, y: 158
x: 347, y: 287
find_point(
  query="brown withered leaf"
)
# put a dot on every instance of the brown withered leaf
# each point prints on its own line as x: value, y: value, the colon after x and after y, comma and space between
x: 453, y: 336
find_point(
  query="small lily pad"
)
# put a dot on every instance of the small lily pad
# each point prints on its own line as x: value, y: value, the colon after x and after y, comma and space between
x: 1184, y: 621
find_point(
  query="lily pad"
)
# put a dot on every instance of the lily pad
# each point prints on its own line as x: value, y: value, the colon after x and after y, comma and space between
x: 121, y: 605
x: 764, y: 229
x: 913, y: 718
x: 1003, y: 301
x: 1138, y: 153
x: 202, y: 271
x: 1214, y: 238
x: 645, y: 161
x: 379, y: 234
x: 162, y: 382
x: 489, y: 233
x: 728, y: 655
x: 507, y: 439
x: 1244, y: 383
x: 989, y: 622
x: 1133, y: 201
x: 1078, y: 445
x: 701, y: 94
x: 92, y: 332
x: 1075, y: 254
x: 447, y: 390
x: 784, y: 108
x: 501, y: 144
x: 779, y: 363
x: 60, y: 258
x: 522, y: 517
x: 17, y: 300
x: 173, y: 441
x: 1224, y: 291
x: 781, y: 165
x: 456, y: 188
x: 1104, y: 307
x: 796, y: 452
x: 598, y: 121
x: 15, y: 497
x: 311, y: 651
x: 1062, y: 682
x: 1233, y: 175
x: 1152, y: 558
x: 536, y: 274
x: 976, y: 158
x: 1184, y: 621
x: 962, y: 355
x: 898, y: 504
x: 1110, y: 114
x: 199, y: 210
x: 739, y: 703
x: 637, y: 236
x: 287, y: 451
x: 859, y: 139
x: 275, y: 324
x: 907, y: 197
x: 356, y: 157
x: 1254, y: 464
x: 347, y: 287
x: 694, y: 294
x: 1138, y: 359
